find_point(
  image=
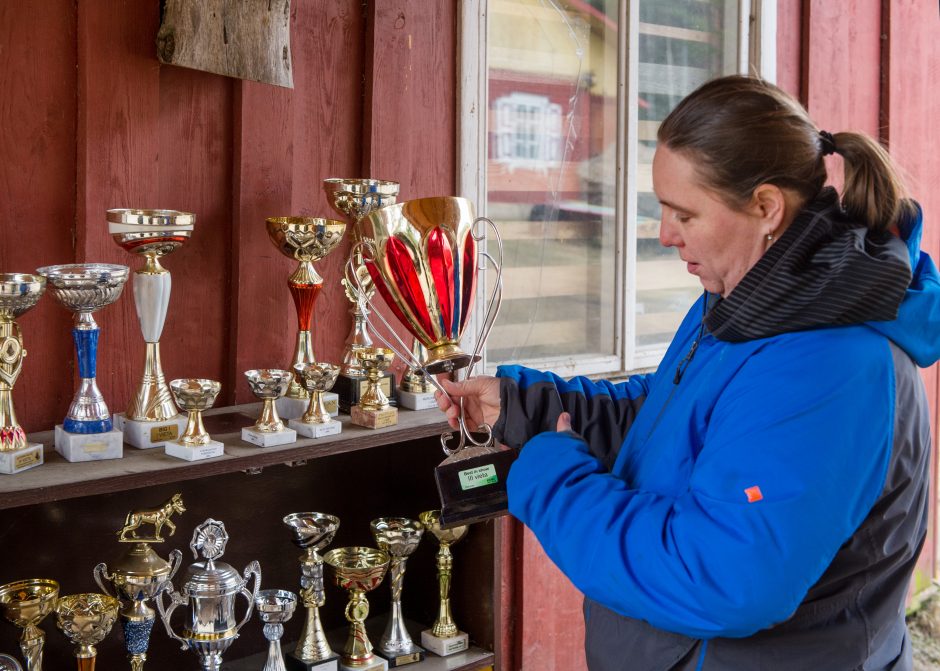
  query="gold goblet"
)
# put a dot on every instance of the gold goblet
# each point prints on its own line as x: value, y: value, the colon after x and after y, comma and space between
x: 316, y: 379
x: 359, y: 570
x: 194, y: 395
x: 443, y: 637
x: 86, y: 619
x: 373, y: 410
x: 26, y: 603
x: 268, y: 384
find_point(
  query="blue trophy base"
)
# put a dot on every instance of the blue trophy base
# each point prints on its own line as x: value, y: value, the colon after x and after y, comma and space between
x: 85, y: 426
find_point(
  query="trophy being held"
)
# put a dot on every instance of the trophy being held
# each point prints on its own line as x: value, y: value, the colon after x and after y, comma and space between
x: 269, y: 385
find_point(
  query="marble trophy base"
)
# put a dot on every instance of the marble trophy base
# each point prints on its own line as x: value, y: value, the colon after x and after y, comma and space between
x: 415, y: 654
x: 444, y: 646
x: 374, y: 419
x: 294, y: 663
x: 89, y: 446
x: 147, y: 435
x: 292, y: 408
x: 416, y: 401
x: 373, y: 664
x: 351, y: 387
x: 212, y: 449
x: 268, y: 438
x: 318, y: 430
x: 16, y: 461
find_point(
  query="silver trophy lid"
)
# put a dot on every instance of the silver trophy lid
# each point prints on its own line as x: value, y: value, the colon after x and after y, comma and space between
x: 211, y: 578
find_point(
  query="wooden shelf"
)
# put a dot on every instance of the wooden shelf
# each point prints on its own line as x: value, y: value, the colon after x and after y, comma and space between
x: 58, y: 479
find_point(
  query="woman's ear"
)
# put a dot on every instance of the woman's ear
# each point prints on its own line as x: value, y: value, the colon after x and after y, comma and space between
x: 769, y: 205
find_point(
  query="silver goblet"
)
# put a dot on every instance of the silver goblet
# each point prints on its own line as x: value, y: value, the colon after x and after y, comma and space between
x: 275, y: 607
x: 399, y: 537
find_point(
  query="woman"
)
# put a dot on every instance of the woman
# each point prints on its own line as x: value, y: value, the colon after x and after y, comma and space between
x: 758, y: 502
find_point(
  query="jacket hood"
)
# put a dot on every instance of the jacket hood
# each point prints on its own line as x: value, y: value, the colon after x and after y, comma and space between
x: 828, y: 270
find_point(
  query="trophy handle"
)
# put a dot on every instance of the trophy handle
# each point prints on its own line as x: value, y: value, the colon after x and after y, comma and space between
x: 176, y: 599
x: 103, y: 579
x: 254, y: 568
x: 176, y: 559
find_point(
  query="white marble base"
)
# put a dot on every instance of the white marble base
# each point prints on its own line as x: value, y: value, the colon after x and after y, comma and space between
x: 413, y: 401
x: 374, y: 664
x: 16, y: 461
x: 89, y: 446
x: 294, y: 663
x: 147, y: 435
x: 330, y: 428
x: 213, y: 449
x: 292, y: 408
x: 268, y: 438
x: 444, y: 646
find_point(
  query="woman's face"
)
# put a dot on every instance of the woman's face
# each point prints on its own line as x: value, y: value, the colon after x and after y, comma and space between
x: 718, y: 244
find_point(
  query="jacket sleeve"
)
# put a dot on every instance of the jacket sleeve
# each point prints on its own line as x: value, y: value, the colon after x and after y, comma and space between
x: 601, y: 411
x: 795, y: 454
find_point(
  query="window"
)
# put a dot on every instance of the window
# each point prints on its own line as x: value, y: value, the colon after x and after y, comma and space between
x: 560, y: 105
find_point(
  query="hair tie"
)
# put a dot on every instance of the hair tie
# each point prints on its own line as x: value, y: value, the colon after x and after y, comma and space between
x: 828, y: 143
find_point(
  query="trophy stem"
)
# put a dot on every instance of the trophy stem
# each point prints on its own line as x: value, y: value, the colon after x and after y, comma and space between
x: 195, y: 433
x: 88, y: 412
x: 153, y: 402
x: 86, y: 663
x: 358, y: 649
x: 275, y: 661
x: 137, y: 635
x: 31, y: 643
x: 358, y: 337
x: 316, y: 411
x: 396, y: 637
x: 303, y: 354
x: 211, y: 661
x: 444, y: 625
x: 269, y: 419
x: 12, y: 436
x: 313, y: 645
x: 137, y: 661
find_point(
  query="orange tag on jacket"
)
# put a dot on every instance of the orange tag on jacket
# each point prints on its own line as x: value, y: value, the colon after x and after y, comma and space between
x: 753, y: 494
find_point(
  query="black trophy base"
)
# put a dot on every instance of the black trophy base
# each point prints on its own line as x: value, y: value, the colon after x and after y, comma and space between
x: 350, y: 389
x: 416, y: 654
x: 474, y: 489
x: 293, y: 663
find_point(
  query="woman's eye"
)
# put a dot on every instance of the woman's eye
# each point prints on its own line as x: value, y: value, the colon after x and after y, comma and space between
x: 681, y: 218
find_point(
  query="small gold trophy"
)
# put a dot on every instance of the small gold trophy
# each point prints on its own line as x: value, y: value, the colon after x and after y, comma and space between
x: 317, y: 379
x: 86, y: 619
x: 269, y: 385
x: 443, y: 638
x: 373, y: 410
x: 26, y: 603
x: 18, y: 294
x: 195, y: 395
x: 415, y: 391
x: 358, y: 570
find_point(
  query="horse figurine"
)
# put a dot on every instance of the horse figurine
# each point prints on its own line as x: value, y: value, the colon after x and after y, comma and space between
x: 155, y: 516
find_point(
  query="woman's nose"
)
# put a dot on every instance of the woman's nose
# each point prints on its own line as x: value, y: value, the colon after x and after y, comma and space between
x: 668, y: 233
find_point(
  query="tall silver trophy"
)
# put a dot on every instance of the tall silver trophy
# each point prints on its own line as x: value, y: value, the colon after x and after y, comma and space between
x: 399, y: 537
x: 87, y: 433
x: 151, y: 419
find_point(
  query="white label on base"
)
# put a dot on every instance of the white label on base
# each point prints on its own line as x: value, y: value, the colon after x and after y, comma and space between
x: 16, y: 461
x: 89, y: 446
x: 412, y: 401
x: 373, y: 664
x: 330, y: 428
x: 268, y: 438
x: 444, y: 646
x: 213, y: 449
x: 293, y: 408
x: 147, y: 435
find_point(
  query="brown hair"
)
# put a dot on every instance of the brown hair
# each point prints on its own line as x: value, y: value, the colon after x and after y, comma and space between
x: 745, y: 132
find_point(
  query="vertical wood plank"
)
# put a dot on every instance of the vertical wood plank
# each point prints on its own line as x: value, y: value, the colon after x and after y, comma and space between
x: 37, y: 179
x: 789, y: 26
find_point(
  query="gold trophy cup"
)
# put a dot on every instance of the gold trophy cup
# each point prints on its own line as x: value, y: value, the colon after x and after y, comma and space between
x: 316, y: 379
x: 86, y: 619
x: 443, y: 638
x: 268, y: 384
x: 26, y: 603
x: 194, y: 395
x: 373, y: 410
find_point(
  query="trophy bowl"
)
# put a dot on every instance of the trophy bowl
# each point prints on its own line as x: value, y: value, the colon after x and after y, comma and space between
x: 357, y: 568
x: 268, y: 383
x: 151, y: 232
x: 85, y: 287
x: 424, y: 263
x: 305, y: 238
x: 19, y: 293
x: 86, y: 619
x: 358, y: 197
x: 275, y: 606
x: 195, y: 393
x: 316, y: 376
x: 26, y: 603
x: 398, y: 536
x: 312, y: 530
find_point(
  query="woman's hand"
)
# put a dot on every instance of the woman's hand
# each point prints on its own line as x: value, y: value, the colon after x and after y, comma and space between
x: 480, y: 401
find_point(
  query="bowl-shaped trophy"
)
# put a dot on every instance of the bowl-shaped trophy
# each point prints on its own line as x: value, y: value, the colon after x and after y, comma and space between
x: 312, y: 532
x: 86, y: 619
x: 443, y: 638
x: 305, y: 239
x: 84, y: 288
x: 275, y: 607
x: 358, y: 570
x: 151, y: 415
x: 423, y: 256
x: 373, y: 410
x: 316, y: 379
x: 399, y: 537
x: 268, y: 384
x: 195, y: 395
x: 26, y: 603
x: 19, y: 293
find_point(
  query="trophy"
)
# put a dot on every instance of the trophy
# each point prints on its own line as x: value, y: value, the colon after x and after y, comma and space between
x: 86, y: 619
x: 312, y: 532
x: 422, y: 256
x: 399, y: 537
x: 26, y: 603
x: 358, y: 570
x: 210, y: 589
x: 18, y: 294
x: 87, y: 433
x: 151, y: 419
x: 356, y: 198
x: 415, y: 392
x: 443, y: 638
x: 195, y: 395
x: 316, y: 379
x: 268, y: 385
x: 275, y: 607
x: 8, y: 663
x: 306, y: 239
x: 141, y: 574
x: 373, y: 410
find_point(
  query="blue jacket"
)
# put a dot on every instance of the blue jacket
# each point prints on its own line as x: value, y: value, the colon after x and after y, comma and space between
x: 712, y: 499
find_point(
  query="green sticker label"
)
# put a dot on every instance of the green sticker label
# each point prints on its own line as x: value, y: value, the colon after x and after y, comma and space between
x: 478, y: 477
